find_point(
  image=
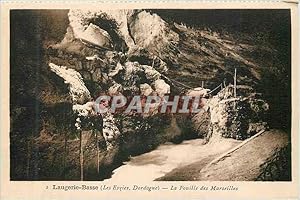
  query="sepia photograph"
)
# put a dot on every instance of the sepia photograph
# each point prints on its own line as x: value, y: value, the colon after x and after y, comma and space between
x: 150, y: 95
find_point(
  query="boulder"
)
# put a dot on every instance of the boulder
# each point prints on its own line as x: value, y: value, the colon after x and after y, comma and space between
x: 161, y: 87
x: 149, y: 30
x: 198, y: 92
x: 131, y: 68
x: 145, y: 89
x: 77, y: 89
x: 83, y: 110
x: 151, y: 73
x: 96, y: 36
x: 115, y: 89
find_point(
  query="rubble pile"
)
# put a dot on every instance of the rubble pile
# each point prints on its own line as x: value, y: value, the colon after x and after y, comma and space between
x: 237, y: 117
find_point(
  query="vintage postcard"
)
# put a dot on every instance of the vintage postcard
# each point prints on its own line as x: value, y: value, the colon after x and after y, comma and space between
x: 149, y: 100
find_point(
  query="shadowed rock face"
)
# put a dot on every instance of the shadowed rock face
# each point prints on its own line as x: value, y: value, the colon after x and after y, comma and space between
x: 132, y: 52
x: 278, y: 166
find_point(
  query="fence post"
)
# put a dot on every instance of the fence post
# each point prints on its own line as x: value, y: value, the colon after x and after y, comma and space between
x: 81, y: 157
x: 65, y: 153
x: 98, y: 156
x: 234, y: 89
x: 153, y: 61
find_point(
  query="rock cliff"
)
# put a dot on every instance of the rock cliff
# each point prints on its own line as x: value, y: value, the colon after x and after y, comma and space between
x: 76, y: 55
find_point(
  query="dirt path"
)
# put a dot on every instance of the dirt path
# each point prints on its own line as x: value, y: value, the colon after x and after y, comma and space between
x: 247, y: 162
x: 166, y: 157
x: 243, y: 164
